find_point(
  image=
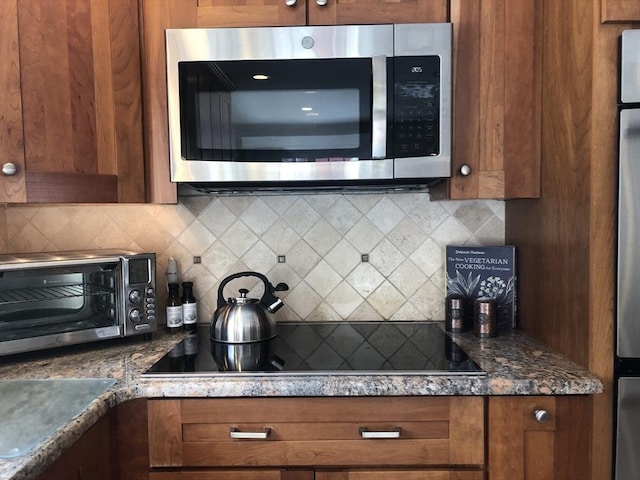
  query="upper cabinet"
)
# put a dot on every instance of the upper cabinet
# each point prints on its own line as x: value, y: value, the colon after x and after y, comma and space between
x: 620, y: 10
x: 496, y: 119
x: 70, y: 102
x: 496, y: 143
x: 161, y: 14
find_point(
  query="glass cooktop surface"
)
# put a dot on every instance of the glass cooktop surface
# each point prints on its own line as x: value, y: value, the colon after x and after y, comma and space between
x: 336, y: 348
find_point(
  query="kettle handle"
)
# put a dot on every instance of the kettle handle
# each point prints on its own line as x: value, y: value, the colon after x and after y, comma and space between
x: 268, y: 300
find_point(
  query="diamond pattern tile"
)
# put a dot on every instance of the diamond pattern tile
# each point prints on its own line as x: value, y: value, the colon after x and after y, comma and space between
x: 321, y: 237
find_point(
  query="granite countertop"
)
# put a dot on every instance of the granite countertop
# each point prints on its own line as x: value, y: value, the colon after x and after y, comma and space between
x: 515, y: 365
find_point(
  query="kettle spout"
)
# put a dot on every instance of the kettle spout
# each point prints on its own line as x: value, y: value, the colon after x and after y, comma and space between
x: 272, y: 302
x: 275, y: 306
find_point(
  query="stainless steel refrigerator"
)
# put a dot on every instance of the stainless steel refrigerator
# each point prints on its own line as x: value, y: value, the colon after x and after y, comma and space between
x: 627, y: 362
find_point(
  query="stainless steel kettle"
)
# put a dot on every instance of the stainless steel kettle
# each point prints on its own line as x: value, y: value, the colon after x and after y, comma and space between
x: 243, y: 319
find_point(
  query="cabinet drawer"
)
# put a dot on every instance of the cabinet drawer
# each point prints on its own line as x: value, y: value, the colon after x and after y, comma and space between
x: 317, y: 431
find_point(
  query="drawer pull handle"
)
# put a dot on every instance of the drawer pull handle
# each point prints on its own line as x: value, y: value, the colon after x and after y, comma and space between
x: 263, y: 435
x: 366, y: 433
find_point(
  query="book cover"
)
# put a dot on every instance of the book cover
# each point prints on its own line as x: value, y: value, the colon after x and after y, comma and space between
x: 490, y: 271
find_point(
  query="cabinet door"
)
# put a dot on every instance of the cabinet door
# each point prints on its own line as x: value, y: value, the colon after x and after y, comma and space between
x: 342, y: 12
x: 12, y: 183
x: 538, y: 438
x: 620, y: 11
x: 496, y: 98
x: 87, y: 459
x: 80, y: 101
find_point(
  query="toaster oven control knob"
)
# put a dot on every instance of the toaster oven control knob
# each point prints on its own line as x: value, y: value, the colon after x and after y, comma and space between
x: 134, y: 296
x: 134, y: 315
x: 465, y: 170
x: 9, y: 169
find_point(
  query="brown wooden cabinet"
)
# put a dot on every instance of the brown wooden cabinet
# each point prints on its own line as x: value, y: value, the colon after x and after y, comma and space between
x: 423, y: 437
x: 70, y: 102
x: 620, y: 11
x: 87, y: 459
x: 542, y: 438
x: 158, y: 15
x: 496, y: 138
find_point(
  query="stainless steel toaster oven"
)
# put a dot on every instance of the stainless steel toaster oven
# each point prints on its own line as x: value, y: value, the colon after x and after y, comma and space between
x: 54, y: 299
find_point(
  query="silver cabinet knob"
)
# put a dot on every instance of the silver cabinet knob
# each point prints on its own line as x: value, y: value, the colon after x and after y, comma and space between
x: 541, y: 415
x: 465, y: 170
x: 289, y: 3
x: 9, y: 169
x: 322, y: 3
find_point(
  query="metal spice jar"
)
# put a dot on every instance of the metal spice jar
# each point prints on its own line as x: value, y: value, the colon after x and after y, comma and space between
x: 455, y: 313
x: 484, y: 318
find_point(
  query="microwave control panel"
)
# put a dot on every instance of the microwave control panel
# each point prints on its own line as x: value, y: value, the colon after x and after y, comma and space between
x: 416, y: 116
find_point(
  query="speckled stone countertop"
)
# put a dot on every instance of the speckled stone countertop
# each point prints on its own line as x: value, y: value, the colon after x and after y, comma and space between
x: 514, y: 364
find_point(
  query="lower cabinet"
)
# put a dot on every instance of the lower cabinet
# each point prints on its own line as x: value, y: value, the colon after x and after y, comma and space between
x: 539, y: 438
x: 320, y: 475
x: 364, y: 438
x: 381, y: 438
x: 87, y: 459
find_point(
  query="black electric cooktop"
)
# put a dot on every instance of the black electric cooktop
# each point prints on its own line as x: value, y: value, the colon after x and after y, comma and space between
x: 336, y: 348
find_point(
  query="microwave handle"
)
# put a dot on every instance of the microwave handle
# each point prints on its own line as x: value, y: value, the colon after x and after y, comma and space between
x: 379, y: 108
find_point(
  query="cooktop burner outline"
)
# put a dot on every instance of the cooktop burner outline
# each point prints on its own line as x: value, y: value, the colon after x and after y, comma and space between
x: 328, y: 348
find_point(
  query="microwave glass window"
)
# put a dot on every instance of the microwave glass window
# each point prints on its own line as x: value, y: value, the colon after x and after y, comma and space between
x: 138, y: 271
x: 277, y: 110
x: 56, y: 302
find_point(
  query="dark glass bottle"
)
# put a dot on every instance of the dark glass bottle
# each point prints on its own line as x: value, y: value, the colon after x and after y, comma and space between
x: 174, y: 309
x: 189, y: 307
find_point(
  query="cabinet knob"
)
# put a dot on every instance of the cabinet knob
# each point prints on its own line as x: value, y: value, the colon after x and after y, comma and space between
x: 322, y: 3
x: 465, y: 170
x: 289, y: 3
x: 9, y: 169
x: 541, y: 415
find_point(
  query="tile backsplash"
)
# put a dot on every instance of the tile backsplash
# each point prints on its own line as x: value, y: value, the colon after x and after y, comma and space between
x: 344, y: 256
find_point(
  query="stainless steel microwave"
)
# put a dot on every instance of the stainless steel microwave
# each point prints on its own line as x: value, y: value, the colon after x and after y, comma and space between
x: 301, y: 107
x: 56, y: 299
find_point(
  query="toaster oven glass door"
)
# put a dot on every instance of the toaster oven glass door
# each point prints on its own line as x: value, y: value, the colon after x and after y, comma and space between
x: 46, y: 307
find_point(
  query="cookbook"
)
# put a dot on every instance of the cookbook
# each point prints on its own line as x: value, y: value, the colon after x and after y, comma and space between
x: 488, y: 271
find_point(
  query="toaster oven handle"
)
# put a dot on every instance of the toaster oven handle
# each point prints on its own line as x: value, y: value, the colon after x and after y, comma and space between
x: 379, y: 107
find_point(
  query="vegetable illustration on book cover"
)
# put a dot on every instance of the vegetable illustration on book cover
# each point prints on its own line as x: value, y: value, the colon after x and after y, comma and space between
x: 475, y: 272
